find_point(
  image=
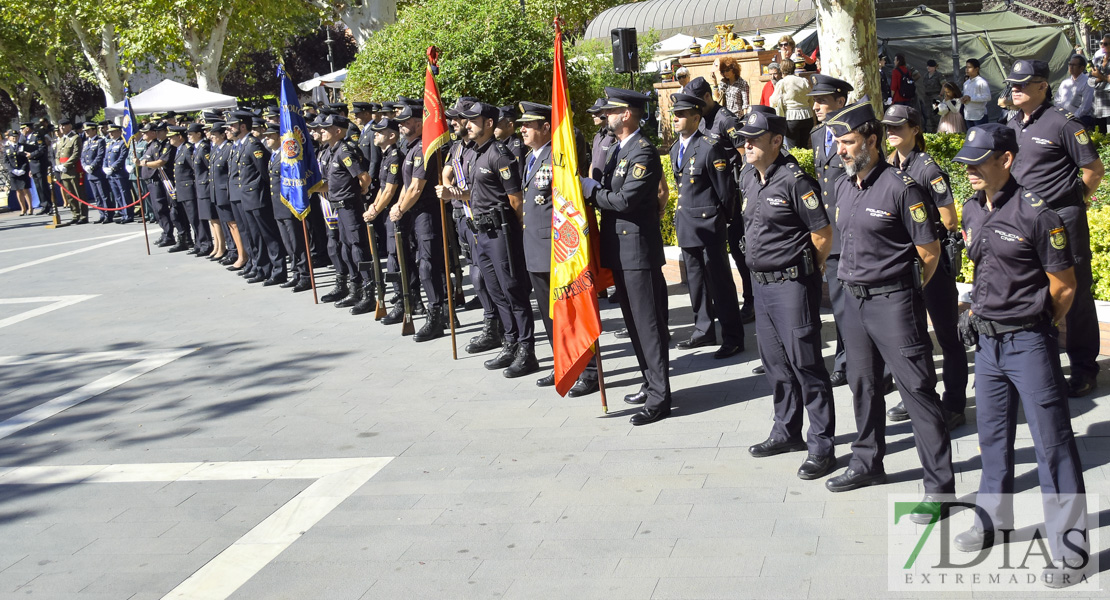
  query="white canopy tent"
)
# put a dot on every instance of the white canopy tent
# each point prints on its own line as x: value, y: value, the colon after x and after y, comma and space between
x: 332, y: 80
x: 171, y: 95
x: 678, y: 43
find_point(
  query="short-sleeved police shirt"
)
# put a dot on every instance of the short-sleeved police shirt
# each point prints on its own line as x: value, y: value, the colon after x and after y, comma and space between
x: 414, y: 168
x: 931, y: 178
x: 459, y: 157
x: 1052, y: 147
x: 779, y: 215
x: 493, y: 176
x: 390, y: 170
x: 726, y: 126
x: 881, y: 221
x: 1013, y: 246
x: 342, y: 168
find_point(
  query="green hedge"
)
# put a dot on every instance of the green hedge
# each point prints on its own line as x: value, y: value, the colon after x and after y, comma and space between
x: 943, y: 148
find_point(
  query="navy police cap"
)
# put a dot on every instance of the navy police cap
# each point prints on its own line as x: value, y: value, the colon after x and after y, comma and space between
x: 851, y: 117
x: 824, y: 85
x: 532, y: 111
x: 482, y: 110
x: 1024, y: 70
x: 759, y: 123
x: 986, y: 139
x: 622, y: 98
x: 686, y: 102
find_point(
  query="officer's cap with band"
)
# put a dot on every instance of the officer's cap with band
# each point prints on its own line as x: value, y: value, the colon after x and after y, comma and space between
x: 338, y: 106
x: 114, y: 127
x: 384, y: 124
x: 272, y: 129
x: 851, y: 118
x: 622, y: 98
x: 176, y: 130
x: 686, y: 102
x: 531, y: 111
x: 239, y: 116
x: 482, y: 110
x: 157, y: 125
x: 336, y: 121
x: 65, y: 121
x: 407, y: 111
x: 1024, y: 70
x: 507, y: 113
x: 455, y: 111
x: 195, y: 128
x: 759, y: 123
x: 899, y: 114
x: 89, y: 125
x: 363, y: 106
x: 984, y: 140
x: 409, y: 101
x: 697, y: 87
x: 824, y: 85
x: 217, y: 126
x: 759, y: 108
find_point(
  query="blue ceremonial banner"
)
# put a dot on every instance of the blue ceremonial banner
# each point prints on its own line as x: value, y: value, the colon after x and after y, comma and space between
x: 300, y: 173
x: 130, y: 125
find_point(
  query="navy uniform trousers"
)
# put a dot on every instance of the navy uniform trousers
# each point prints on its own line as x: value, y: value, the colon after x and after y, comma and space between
x: 427, y: 230
x: 643, y: 292
x: 202, y: 235
x: 713, y: 293
x: 1082, y: 321
x: 99, y: 194
x: 788, y: 330
x: 392, y: 263
x: 160, y: 202
x: 1026, y: 365
x: 891, y: 329
x: 510, y: 292
x: 352, y: 241
x: 735, y: 243
x: 836, y: 298
x: 292, y: 238
x: 942, y: 303
x: 466, y: 238
x: 267, y: 254
x: 541, y: 286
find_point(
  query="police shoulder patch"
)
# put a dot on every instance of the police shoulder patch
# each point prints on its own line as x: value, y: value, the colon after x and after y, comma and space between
x: 639, y: 171
x: 419, y: 160
x: 347, y: 161
x: 644, y: 143
x: 354, y: 137
x: 720, y: 164
x: 711, y: 139
x: 505, y: 173
x: 1058, y: 238
x: 938, y: 185
x: 906, y: 179
x: 258, y: 153
x: 1081, y: 137
x: 1033, y: 200
x: 917, y: 211
x: 810, y: 200
x: 393, y: 169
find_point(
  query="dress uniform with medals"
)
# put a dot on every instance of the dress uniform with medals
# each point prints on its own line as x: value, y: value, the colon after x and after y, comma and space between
x: 219, y: 175
x: 254, y: 187
x: 115, y: 169
x: 92, y: 160
x: 33, y: 145
x: 632, y: 247
x: 603, y: 140
x: 292, y: 237
x: 185, y: 186
x: 1054, y: 146
x: 883, y: 218
x: 235, y: 196
x: 18, y: 166
x: 67, y: 167
x: 782, y: 212
x: 703, y: 172
x: 941, y: 296
x: 1019, y: 244
x: 206, y: 204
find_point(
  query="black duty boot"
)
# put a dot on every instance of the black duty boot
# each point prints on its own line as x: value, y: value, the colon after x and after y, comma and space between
x: 489, y: 339
x: 368, y: 302
x: 524, y: 362
x: 395, y: 315
x: 354, y: 297
x: 433, y: 327
x: 419, y: 309
x: 503, y: 358
x: 338, y: 292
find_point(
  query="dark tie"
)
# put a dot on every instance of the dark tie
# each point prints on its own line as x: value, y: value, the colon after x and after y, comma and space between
x: 681, y: 154
x: 829, y: 139
x: 611, y: 158
x: 528, y: 170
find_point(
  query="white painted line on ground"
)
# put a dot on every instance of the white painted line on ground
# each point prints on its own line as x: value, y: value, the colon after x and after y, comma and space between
x: 56, y: 302
x: 99, y: 237
x: 70, y: 253
x: 336, y: 479
x: 31, y: 416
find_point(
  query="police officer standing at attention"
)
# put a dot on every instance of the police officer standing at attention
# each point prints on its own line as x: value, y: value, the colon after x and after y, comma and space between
x: 346, y: 184
x: 33, y: 146
x: 159, y: 154
x: 184, y: 183
x: 830, y: 95
x: 889, y: 253
x: 1024, y: 283
x: 235, y: 121
x: 1058, y: 163
x: 92, y: 159
x: 219, y: 172
x: 67, y: 161
x: 707, y: 193
x: 291, y: 237
x: 115, y: 169
x: 904, y: 133
x: 254, y: 189
x: 207, y: 226
x: 632, y: 246
x: 788, y: 237
x: 386, y: 134
x: 496, y: 200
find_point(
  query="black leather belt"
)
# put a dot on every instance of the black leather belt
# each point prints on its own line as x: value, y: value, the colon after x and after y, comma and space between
x: 787, y: 274
x: 865, y: 291
x: 995, y: 328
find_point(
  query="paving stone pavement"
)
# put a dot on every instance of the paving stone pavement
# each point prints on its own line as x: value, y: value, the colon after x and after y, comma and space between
x: 496, y: 488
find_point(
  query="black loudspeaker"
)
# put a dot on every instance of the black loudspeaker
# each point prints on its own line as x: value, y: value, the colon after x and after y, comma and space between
x: 626, y: 55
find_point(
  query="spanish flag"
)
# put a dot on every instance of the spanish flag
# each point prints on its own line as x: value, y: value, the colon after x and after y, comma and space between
x: 435, y: 133
x: 574, y: 272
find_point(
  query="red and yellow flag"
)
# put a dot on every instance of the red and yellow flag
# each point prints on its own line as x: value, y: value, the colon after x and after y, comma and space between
x: 574, y: 272
x: 435, y: 123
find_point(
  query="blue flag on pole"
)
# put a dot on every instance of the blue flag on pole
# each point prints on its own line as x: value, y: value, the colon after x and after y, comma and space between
x: 130, y: 125
x: 300, y: 173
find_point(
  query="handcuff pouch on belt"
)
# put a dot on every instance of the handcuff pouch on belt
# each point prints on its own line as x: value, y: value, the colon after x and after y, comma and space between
x: 790, y: 273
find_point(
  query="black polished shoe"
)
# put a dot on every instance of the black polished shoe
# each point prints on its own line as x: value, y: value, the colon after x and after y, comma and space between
x: 352, y: 298
x: 503, y: 358
x: 838, y: 378
x: 954, y: 420
x: 696, y: 342
x: 547, y: 381
x: 771, y: 447
x: 639, y: 397
x: 973, y: 540
x: 472, y: 304
x: 759, y: 369
x: 339, y: 291
x: 747, y: 313
x: 302, y: 285
x: 248, y: 273
x: 180, y: 246
x: 433, y: 325
x: 163, y: 243
x: 621, y: 334
x: 288, y: 284
x: 193, y: 251
x: 728, y: 350
x: 234, y: 268
x: 816, y: 466
x: 1079, y: 386
x: 650, y: 415
x: 226, y: 261
x: 583, y: 387
x: 278, y: 280
x: 258, y: 279
x: 854, y: 480
x: 524, y: 363
x: 419, y: 309
x: 898, y: 412
x: 930, y: 509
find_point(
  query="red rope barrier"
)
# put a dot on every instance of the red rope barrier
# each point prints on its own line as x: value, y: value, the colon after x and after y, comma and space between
x: 70, y: 194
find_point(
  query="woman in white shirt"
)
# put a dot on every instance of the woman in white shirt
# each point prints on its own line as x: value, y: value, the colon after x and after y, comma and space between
x: 790, y: 100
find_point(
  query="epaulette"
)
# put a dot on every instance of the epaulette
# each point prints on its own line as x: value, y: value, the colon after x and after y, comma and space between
x: 928, y: 160
x: 712, y: 138
x: 1033, y: 200
x: 795, y: 169
x: 1067, y: 115
x: 503, y: 149
x: 644, y: 143
x: 906, y: 179
x: 816, y: 127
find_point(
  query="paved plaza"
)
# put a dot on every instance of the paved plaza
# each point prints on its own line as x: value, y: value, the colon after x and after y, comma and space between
x: 169, y: 431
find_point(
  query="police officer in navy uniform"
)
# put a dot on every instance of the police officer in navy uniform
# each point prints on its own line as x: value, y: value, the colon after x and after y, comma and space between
x: 535, y: 131
x: 115, y: 169
x: 235, y: 121
x: 254, y: 187
x: 720, y: 121
x: 904, y: 128
x: 1024, y: 285
x: 496, y: 200
x: 602, y: 141
x: 386, y: 134
x: 1058, y: 162
x: 34, y: 146
x: 207, y: 227
x: 19, y: 169
x: 504, y: 130
x: 632, y: 246
x: 291, y: 235
x: 347, y: 184
x: 219, y: 174
x: 703, y: 169
x: 889, y: 253
x: 830, y: 95
x: 184, y: 182
x: 92, y: 160
x: 159, y: 154
x: 788, y: 236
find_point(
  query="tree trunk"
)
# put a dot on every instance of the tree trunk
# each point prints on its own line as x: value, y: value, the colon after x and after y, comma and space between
x: 22, y: 97
x: 206, y: 52
x: 850, y: 46
x: 101, y: 49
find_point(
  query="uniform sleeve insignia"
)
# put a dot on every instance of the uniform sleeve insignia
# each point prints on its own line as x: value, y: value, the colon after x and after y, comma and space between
x: 393, y: 169
x: 1081, y: 137
x: 1058, y: 238
x: 347, y: 161
x: 419, y: 160
x: 258, y: 154
x: 938, y: 185
x: 720, y: 164
x: 917, y: 211
x: 354, y: 137
x: 639, y: 171
x: 505, y: 173
x: 810, y: 200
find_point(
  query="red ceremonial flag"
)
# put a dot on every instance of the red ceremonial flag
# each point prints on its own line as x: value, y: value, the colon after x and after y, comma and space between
x: 435, y: 123
x: 574, y: 270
